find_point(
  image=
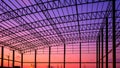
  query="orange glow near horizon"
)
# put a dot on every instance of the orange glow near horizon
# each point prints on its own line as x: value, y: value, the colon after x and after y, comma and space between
x: 72, y: 58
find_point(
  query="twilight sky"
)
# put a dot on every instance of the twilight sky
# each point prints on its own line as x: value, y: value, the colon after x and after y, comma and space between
x: 26, y: 25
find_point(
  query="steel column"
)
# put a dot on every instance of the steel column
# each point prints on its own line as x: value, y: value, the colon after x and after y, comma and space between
x: 80, y: 55
x: 97, y: 53
x: 2, y: 56
x: 106, y: 42
x: 13, y: 61
x: 113, y: 34
x: 35, y: 58
x: 8, y: 61
x: 64, y: 55
x: 102, y: 36
x: 49, y: 57
x: 21, y: 60
x: 99, y: 49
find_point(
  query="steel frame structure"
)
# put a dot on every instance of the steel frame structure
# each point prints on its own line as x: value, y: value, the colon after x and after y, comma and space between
x: 40, y: 24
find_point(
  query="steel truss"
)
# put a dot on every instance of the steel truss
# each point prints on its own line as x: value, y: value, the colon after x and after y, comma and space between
x: 41, y: 24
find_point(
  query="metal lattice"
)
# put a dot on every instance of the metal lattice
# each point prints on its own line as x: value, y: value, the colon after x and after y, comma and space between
x: 28, y: 25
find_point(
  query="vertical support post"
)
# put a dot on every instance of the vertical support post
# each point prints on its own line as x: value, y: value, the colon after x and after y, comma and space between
x: 2, y: 56
x: 99, y: 49
x: 13, y: 62
x: 8, y: 60
x: 35, y: 58
x: 113, y: 33
x: 97, y: 53
x: 102, y: 48
x: 106, y: 42
x: 64, y: 55
x: 80, y: 55
x: 49, y: 57
x: 21, y: 60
